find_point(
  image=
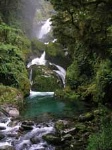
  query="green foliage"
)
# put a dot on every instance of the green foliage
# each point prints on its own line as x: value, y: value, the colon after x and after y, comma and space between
x: 67, y: 94
x: 37, y: 46
x: 84, y: 28
x: 83, y: 21
x: 103, y: 139
x: 10, y: 95
x: 80, y: 72
x: 12, y: 70
x: 54, y: 49
x: 10, y: 35
x: 45, y: 80
x: 104, y: 82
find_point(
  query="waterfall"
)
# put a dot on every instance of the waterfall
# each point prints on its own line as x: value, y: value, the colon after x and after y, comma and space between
x: 42, y: 61
x: 11, y: 129
x: 45, y: 29
x: 61, y: 72
x: 34, y: 94
x: 38, y: 61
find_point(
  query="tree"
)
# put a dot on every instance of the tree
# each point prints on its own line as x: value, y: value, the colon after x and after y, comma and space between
x: 83, y: 21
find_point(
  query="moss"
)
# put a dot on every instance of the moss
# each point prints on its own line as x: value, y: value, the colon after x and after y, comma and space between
x: 9, y: 95
x: 44, y: 79
x: 37, y: 46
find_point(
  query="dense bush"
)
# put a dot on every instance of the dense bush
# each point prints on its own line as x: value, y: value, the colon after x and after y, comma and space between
x: 103, y: 139
x: 103, y: 82
x: 12, y: 70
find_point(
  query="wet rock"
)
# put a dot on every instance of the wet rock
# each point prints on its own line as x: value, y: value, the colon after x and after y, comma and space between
x: 1, y: 136
x: 35, y: 140
x: 52, y: 139
x: 70, y: 131
x: 27, y: 125
x: 61, y: 125
x: 86, y: 117
x: 3, y: 119
x: 3, y: 112
x: 13, y: 123
x: 30, y: 123
x: 14, y: 113
x: 2, y: 128
x: 6, y: 147
x: 66, y: 137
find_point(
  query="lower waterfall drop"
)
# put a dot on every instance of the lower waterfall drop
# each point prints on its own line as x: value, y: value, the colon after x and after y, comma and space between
x: 42, y: 61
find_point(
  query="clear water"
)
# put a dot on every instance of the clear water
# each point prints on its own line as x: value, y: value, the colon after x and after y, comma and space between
x: 45, y: 106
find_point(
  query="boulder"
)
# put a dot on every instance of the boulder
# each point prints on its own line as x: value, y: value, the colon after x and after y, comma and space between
x: 14, y: 113
x: 66, y: 137
x: 1, y: 136
x: 52, y: 139
x: 2, y: 128
x: 35, y: 140
x: 27, y: 125
x: 70, y: 131
x: 61, y: 125
x: 86, y: 117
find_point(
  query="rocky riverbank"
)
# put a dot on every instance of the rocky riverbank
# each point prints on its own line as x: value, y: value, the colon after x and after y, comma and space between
x: 66, y: 134
x: 23, y: 135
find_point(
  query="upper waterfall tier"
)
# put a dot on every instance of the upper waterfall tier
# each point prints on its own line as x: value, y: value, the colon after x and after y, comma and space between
x: 45, y: 29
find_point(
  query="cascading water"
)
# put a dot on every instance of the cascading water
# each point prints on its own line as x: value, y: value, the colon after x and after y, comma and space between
x: 38, y: 61
x: 12, y: 140
x: 42, y: 61
x: 61, y: 72
x: 45, y: 29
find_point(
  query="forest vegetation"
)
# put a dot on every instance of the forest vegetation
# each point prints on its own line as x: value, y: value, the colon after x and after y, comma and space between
x: 84, y: 29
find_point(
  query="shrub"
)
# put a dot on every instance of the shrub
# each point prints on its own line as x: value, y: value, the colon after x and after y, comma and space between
x: 103, y: 139
x: 103, y: 82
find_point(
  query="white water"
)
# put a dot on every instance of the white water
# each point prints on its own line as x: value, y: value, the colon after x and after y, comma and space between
x: 45, y: 29
x: 34, y: 94
x: 37, y: 132
x: 53, y: 41
x: 42, y: 61
x: 61, y: 72
x: 38, y: 61
x: 24, y: 141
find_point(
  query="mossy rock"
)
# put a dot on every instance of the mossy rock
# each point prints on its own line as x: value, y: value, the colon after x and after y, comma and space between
x: 86, y: 117
x: 60, y: 125
x: 52, y: 139
x: 45, y: 79
x: 80, y: 126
